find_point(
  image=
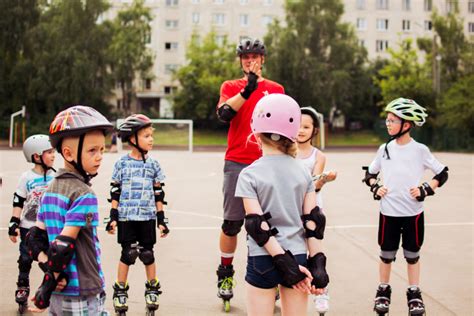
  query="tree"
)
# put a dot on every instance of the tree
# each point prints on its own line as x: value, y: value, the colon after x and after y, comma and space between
x: 128, y: 48
x: 315, y: 56
x: 404, y: 77
x: 69, y: 63
x: 208, y: 65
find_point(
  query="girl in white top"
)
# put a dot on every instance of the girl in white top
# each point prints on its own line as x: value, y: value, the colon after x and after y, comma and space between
x: 314, y: 160
x: 283, y: 225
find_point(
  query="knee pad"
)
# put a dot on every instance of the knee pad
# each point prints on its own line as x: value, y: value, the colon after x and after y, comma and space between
x: 319, y: 219
x: 388, y: 256
x: 411, y: 257
x: 231, y: 228
x: 129, y: 254
x: 24, y: 263
x: 146, y: 256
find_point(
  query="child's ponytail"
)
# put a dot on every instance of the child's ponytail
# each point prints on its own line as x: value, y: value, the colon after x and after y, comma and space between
x: 283, y: 144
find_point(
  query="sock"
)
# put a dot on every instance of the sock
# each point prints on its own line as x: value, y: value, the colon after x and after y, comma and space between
x: 227, y: 258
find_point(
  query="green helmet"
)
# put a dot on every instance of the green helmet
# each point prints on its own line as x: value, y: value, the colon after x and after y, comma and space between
x: 408, y: 110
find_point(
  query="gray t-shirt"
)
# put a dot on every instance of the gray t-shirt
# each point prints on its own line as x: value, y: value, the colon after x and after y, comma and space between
x: 279, y: 183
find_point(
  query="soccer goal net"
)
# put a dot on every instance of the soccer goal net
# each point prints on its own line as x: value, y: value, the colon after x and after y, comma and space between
x: 168, y: 134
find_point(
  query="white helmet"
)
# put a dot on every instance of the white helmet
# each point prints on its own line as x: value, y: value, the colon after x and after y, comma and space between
x: 36, y: 144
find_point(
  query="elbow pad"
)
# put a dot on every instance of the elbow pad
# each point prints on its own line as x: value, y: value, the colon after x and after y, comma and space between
x: 226, y: 113
x: 115, y: 191
x: 159, y: 193
x: 442, y: 177
x: 369, y: 175
x: 18, y: 201
x: 319, y: 219
x: 60, y: 253
x: 36, y: 242
x: 253, y: 226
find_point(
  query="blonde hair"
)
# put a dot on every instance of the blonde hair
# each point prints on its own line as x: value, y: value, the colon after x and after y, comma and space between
x: 283, y: 144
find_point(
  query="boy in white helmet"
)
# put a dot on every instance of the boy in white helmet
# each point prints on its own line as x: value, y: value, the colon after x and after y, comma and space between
x: 402, y: 162
x: 26, y: 199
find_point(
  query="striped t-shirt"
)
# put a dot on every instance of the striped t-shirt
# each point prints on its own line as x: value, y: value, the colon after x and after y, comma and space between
x: 70, y: 202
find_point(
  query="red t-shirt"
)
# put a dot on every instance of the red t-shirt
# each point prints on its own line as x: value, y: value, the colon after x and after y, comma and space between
x: 241, y: 148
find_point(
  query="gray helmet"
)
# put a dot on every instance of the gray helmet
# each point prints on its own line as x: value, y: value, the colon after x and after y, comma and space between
x: 133, y: 124
x: 313, y: 113
x: 36, y: 144
x: 250, y: 46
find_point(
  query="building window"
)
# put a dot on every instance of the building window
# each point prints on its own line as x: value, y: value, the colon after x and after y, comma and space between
x: 218, y: 1
x: 147, y: 38
x: 361, y: 24
x: 406, y: 5
x: 470, y: 7
x: 428, y: 25
x: 381, y: 45
x: 360, y: 4
x: 266, y: 20
x: 267, y: 2
x: 195, y: 1
x: 220, y: 39
x: 471, y: 27
x: 244, y: 2
x: 451, y: 6
x: 428, y: 5
x: 244, y: 19
x: 169, y: 89
x: 147, y: 84
x: 382, y: 24
x: 170, y: 68
x: 218, y: 18
x: 172, y: 3
x: 171, y: 46
x: 362, y: 43
x: 196, y: 17
x: 119, y: 104
x: 381, y: 4
x: 171, y: 24
x: 406, y: 25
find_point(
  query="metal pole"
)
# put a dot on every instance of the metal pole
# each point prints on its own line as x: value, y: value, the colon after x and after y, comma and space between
x: 22, y: 112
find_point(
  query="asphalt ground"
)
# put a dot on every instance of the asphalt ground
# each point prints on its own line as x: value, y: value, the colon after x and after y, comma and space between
x: 187, y: 259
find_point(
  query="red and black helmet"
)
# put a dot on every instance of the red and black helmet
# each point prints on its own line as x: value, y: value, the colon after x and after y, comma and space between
x: 133, y: 124
x: 250, y: 46
x: 75, y: 121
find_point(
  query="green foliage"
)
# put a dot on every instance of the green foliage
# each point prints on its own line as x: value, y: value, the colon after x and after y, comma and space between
x: 403, y: 76
x: 209, y: 65
x: 128, y: 48
x: 316, y: 57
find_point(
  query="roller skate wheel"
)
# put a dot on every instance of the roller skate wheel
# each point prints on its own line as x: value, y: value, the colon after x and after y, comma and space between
x: 226, y: 306
x: 150, y: 312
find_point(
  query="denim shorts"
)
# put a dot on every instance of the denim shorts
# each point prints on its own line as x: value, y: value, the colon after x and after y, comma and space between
x: 261, y: 271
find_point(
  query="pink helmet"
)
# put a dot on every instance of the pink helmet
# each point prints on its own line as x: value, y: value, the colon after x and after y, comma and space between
x: 277, y: 114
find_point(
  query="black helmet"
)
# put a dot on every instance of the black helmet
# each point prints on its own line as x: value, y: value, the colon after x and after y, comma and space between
x: 133, y: 124
x: 76, y: 121
x: 311, y: 112
x: 249, y: 46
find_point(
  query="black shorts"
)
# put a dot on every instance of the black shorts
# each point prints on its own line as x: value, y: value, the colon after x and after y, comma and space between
x: 410, y: 228
x: 143, y: 232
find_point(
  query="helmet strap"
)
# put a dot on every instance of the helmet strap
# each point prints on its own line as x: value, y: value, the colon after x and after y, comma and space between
x: 78, y: 165
x: 398, y: 135
x: 44, y: 166
x: 137, y: 146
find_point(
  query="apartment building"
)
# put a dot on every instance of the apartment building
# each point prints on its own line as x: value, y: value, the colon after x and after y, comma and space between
x: 379, y: 24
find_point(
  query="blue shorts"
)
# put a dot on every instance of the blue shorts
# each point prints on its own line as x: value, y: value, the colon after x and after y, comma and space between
x: 262, y: 273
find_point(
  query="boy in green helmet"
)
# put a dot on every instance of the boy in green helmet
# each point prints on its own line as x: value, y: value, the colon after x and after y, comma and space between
x: 402, y: 161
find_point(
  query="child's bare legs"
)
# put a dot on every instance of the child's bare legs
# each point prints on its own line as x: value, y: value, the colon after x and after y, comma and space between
x: 261, y: 302
x: 413, y: 271
x: 384, y: 272
x: 122, y: 272
x: 293, y: 302
x: 150, y: 271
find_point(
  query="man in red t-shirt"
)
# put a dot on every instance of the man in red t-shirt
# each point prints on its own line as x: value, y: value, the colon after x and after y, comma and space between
x: 236, y: 104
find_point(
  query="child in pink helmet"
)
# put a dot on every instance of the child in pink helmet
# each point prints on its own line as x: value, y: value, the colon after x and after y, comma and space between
x: 281, y: 214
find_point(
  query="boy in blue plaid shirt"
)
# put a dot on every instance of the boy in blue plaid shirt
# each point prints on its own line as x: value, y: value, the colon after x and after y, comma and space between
x: 137, y: 200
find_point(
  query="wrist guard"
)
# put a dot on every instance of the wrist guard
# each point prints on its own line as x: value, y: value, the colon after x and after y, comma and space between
x: 13, y: 225
x: 251, y: 85
x: 163, y: 221
x: 112, y: 218
x: 288, y: 268
x: 425, y: 190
